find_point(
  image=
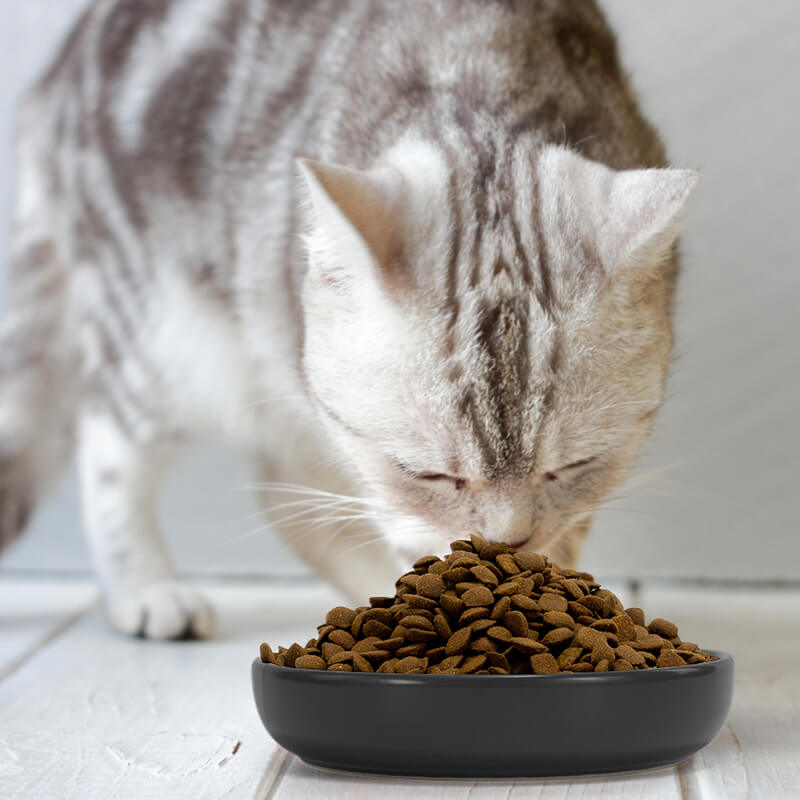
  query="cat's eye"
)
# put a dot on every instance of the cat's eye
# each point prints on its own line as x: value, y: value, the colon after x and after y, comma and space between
x: 459, y: 483
x: 432, y: 477
x: 553, y: 475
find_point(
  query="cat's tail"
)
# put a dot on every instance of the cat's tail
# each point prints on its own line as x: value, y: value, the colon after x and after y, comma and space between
x: 38, y: 381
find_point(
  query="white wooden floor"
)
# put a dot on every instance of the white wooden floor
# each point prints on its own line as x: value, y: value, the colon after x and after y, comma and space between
x: 85, y: 713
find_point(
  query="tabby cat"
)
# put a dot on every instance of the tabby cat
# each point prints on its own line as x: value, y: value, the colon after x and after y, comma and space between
x: 417, y: 256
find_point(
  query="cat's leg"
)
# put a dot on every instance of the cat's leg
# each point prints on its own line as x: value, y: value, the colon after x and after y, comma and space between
x: 350, y: 553
x: 119, y: 478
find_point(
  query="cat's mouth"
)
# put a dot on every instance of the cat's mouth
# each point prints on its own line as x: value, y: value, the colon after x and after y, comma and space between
x: 518, y: 545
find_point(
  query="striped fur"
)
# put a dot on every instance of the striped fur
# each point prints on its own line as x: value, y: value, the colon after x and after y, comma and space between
x: 478, y: 299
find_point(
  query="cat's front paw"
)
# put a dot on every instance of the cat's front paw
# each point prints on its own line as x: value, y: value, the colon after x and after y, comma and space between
x: 166, y: 610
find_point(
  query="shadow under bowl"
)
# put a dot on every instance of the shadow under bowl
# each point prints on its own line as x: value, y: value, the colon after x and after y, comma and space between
x: 495, y: 726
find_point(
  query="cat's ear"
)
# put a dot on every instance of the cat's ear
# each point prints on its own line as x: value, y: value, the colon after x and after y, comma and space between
x: 633, y: 216
x: 642, y: 215
x: 352, y: 224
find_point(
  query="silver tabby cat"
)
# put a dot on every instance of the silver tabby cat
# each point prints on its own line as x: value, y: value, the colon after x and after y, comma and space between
x: 419, y: 256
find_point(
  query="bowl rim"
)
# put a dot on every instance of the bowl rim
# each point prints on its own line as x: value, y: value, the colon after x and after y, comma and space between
x: 721, y: 657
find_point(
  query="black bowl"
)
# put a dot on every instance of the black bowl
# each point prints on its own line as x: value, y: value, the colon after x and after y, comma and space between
x: 495, y: 726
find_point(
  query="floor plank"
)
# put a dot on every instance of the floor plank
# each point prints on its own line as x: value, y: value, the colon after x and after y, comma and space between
x: 95, y: 714
x: 33, y: 611
x: 303, y: 781
x: 757, y: 754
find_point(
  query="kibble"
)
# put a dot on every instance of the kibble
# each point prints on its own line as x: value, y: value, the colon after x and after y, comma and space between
x: 663, y: 627
x: 311, y: 662
x: 431, y: 585
x: 340, y: 617
x: 484, y: 609
x: 478, y: 596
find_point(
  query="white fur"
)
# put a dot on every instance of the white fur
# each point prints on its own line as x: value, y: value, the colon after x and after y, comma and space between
x: 118, y: 481
x: 205, y: 370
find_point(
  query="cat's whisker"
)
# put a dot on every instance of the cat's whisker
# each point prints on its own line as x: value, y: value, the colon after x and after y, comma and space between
x: 300, y: 536
x: 417, y: 531
x: 308, y: 513
x: 333, y: 515
x: 359, y: 546
x: 643, y: 478
x: 315, y: 524
x: 333, y: 536
x: 613, y: 504
x: 612, y: 507
x: 292, y: 488
x: 324, y: 501
x: 335, y: 518
x: 306, y: 516
x: 247, y: 534
x: 310, y: 502
x: 595, y: 410
x: 584, y: 140
x: 280, y: 399
x: 283, y: 485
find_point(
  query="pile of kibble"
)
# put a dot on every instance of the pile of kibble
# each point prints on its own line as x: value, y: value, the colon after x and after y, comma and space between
x: 485, y: 609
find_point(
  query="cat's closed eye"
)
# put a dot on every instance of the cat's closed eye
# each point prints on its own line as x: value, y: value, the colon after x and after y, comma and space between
x: 459, y: 483
x: 431, y: 477
x: 554, y: 475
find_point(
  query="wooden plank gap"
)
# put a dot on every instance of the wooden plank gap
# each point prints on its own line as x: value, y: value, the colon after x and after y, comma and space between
x: 718, y: 770
x: 685, y: 782
x: 271, y: 780
x: 47, y: 639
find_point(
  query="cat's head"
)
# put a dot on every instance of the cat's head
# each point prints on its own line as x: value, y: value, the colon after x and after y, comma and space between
x: 488, y: 345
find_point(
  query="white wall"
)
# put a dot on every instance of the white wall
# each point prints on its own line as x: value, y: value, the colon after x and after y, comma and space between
x: 719, y: 79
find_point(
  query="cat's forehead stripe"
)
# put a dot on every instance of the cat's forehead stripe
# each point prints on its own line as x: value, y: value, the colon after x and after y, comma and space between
x: 487, y: 201
x: 494, y: 402
x: 544, y: 291
x: 548, y: 398
x: 454, y: 244
x: 476, y: 421
x: 519, y: 250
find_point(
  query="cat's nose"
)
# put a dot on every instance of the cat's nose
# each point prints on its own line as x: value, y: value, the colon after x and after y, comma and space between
x: 509, y: 524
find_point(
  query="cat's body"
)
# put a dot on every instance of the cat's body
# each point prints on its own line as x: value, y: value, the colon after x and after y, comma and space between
x: 161, y: 290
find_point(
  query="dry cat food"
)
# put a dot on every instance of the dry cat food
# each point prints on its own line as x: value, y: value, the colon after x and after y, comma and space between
x: 486, y: 610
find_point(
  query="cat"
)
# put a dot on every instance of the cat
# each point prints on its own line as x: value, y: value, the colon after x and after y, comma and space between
x: 418, y: 257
